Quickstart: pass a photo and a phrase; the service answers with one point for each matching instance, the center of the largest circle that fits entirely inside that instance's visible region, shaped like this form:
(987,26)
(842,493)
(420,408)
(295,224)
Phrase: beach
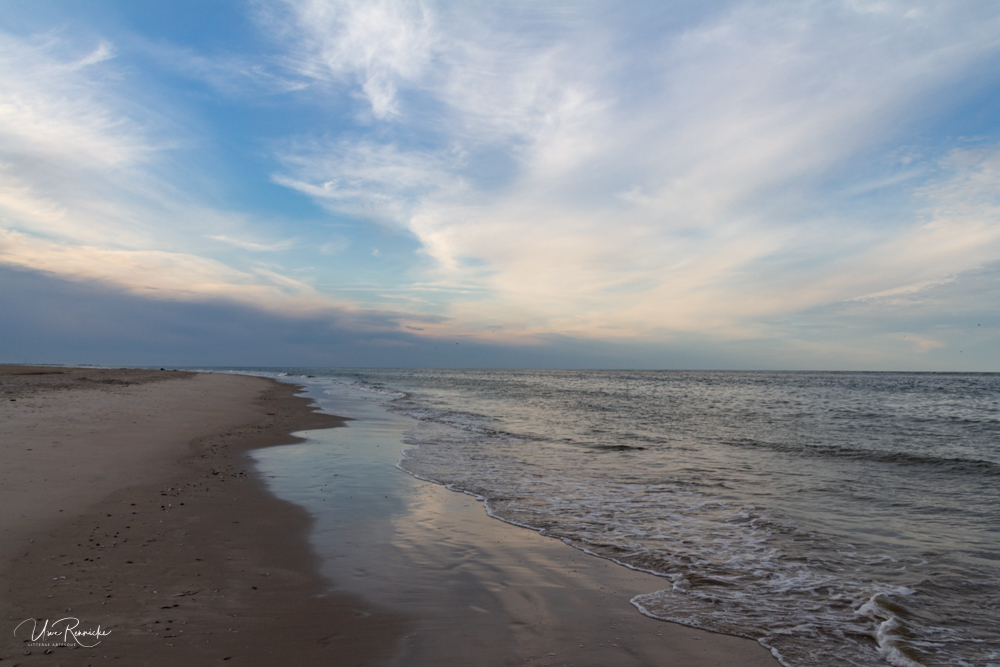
(132,504)
(821,514)
(135,508)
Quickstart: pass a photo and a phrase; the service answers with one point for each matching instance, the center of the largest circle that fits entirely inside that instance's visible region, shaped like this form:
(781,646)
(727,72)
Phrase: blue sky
(791,185)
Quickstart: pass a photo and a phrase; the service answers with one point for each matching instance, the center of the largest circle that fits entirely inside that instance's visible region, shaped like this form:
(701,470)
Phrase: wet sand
(180,550)
(479,591)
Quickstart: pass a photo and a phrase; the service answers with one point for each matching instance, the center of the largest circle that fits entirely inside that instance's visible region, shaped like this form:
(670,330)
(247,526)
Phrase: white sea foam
(661,528)
(623,477)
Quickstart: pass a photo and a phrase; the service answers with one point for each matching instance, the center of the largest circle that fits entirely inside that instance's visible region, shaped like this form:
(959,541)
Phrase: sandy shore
(178,549)
(130,504)
(477,591)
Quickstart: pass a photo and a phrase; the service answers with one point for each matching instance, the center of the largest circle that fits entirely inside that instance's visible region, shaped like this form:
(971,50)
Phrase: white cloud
(377,42)
(51,110)
(243,76)
(256,245)
(88,191)
(104,51)
(159,274)
(368,179)
(650,188)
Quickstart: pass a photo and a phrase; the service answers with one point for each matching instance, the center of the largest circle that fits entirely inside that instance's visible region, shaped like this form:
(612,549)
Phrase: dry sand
(130,502)
(165,537)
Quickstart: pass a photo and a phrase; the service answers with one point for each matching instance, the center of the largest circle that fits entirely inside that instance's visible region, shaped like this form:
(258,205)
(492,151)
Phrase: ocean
(836,518)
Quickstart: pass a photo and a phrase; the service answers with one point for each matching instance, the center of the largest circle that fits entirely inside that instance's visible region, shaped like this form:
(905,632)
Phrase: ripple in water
(823,514)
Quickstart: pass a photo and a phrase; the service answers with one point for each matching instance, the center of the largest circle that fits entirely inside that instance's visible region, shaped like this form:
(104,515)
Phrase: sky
(808,185)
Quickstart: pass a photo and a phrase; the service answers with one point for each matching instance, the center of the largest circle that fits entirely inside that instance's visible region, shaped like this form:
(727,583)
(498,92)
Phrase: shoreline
(182,550)
(182,553)
(478,590)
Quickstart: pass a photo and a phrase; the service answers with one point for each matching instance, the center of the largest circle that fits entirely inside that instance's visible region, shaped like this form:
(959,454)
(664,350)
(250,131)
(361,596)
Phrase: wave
(736,554)
(955,465)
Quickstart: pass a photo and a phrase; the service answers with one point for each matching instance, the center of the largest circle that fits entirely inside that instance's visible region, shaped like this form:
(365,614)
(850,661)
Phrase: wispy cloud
(525,172)
(104,51)
(160,274)
(377,180)
(52,112)
(178,277)
(677,187)
(255,246)
(377,43)
(238,75)
(86,191)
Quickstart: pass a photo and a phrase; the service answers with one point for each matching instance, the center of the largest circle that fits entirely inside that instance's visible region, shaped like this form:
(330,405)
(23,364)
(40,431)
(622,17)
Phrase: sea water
(837,518)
